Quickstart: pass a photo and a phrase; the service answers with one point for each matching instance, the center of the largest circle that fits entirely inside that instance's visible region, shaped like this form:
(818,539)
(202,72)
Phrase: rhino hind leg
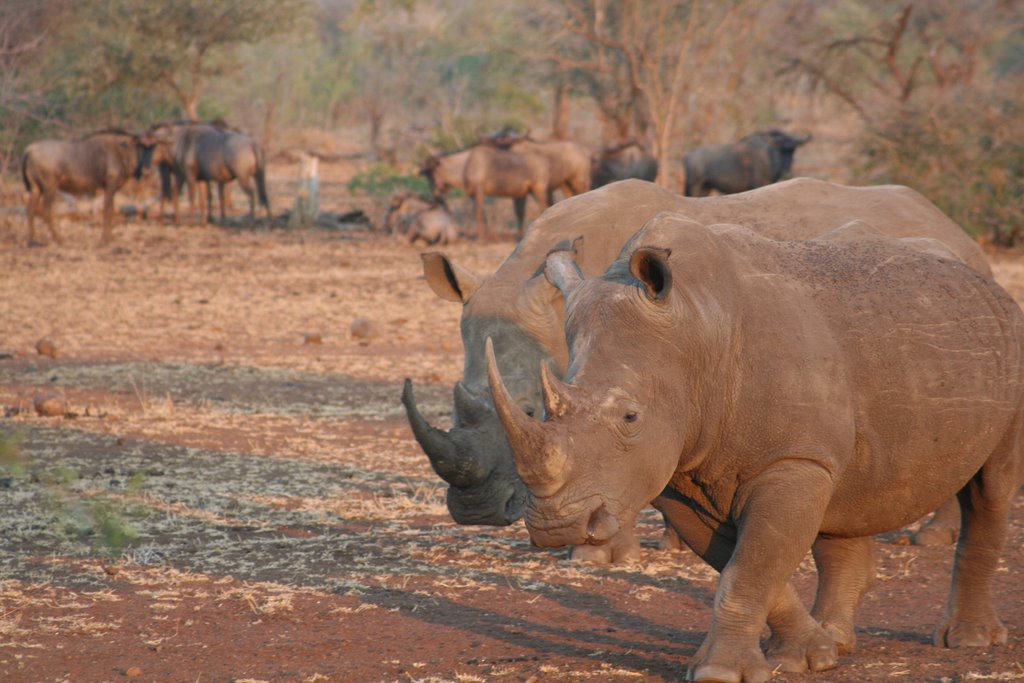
(943,528)
(985,502)
(846,570)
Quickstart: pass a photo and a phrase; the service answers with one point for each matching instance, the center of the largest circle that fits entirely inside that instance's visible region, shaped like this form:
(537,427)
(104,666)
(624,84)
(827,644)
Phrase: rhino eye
(528,410)
(631,416)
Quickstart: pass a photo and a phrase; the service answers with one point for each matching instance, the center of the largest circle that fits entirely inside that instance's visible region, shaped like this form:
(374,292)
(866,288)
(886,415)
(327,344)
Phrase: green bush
(382,180)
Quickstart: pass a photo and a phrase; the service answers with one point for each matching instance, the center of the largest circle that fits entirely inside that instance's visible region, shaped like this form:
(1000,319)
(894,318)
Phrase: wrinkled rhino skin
(522,312)
(769,395)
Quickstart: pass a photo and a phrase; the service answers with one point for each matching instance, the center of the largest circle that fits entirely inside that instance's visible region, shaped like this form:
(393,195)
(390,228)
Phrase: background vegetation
(926,93)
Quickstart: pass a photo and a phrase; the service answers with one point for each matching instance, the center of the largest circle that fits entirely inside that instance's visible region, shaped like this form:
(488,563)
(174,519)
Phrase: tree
(642,61)
(177,45)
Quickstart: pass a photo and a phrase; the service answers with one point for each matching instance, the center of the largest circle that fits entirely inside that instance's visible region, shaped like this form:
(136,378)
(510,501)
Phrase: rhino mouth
(484,506)
(587,521)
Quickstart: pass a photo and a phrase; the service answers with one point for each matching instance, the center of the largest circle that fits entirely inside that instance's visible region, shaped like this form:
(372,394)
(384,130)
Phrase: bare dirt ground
(223,501)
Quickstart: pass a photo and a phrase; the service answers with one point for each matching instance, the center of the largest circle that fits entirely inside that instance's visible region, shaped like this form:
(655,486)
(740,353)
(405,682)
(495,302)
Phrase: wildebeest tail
(24,171)
(261,179)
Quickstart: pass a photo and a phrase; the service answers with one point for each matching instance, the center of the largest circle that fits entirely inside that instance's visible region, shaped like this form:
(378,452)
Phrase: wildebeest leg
(31,208)
(481,219)
(797,642)
(846,569)
(985,503)
(220,198)
(47,205)
(542,204)
(943,527)
(519,203)
(250,192)
(108,216)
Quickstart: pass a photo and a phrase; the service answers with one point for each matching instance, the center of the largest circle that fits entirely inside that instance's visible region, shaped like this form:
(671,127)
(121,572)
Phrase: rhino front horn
(436,443)
(539,465)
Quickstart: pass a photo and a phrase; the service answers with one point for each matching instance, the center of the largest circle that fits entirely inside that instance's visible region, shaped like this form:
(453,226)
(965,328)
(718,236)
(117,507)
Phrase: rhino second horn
(539,466)
(436,443)
(556,396)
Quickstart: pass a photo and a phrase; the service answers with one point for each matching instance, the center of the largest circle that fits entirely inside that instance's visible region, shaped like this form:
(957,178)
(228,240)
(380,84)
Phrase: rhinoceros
(768,395)
(522,313)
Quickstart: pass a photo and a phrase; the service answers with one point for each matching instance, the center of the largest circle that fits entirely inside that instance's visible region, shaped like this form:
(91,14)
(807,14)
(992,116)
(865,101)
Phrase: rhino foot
(936,535)
(670,540)
(623,548)
(815,650)
(729,662)
(954,633)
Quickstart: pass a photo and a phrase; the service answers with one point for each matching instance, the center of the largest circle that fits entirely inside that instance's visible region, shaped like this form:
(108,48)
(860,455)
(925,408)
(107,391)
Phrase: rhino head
(643,355)
(474,456)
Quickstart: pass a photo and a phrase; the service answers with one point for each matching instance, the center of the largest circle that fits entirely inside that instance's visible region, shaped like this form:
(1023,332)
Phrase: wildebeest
(628,160)
(759,159)
(491,171)
(104,160)
(205,153)
(421,219)
(522,313)
(569,162)
(775,397)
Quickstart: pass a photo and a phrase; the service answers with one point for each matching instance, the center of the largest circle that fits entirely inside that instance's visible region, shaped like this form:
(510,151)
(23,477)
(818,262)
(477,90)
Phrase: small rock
(313,339)
(50,403)
(219,347)
(133,672)
(363,328)
(46,347)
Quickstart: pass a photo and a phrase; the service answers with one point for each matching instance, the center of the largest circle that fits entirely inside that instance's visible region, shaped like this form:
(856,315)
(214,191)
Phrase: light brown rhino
(768,395)
(522,312)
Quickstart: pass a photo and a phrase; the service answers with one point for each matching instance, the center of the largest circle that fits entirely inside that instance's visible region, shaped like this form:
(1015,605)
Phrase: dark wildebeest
(173,139)
(628,160)
(204,153)
(759,159)
(104,160)
(569,162)
(419,218)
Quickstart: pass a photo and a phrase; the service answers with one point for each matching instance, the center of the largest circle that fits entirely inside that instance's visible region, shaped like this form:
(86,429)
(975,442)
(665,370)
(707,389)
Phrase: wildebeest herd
(789,367)
(192,153)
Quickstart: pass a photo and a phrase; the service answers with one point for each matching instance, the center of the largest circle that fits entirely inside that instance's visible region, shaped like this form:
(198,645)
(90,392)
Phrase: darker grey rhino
(767,395)
(523,314)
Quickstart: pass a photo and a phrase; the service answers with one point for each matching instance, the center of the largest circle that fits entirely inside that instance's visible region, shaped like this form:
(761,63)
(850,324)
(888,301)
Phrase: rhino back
(922,353)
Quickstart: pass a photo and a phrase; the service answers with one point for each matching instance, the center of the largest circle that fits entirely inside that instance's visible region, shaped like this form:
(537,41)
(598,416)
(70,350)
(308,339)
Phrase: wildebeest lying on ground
(104,160)
(522,313)
(628,160)
(205,153)
(759,159)
(421,219)
(775,397)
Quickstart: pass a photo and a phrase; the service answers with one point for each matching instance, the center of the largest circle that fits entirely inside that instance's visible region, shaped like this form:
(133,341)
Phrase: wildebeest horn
(539,467)
(437,444)
(556,395)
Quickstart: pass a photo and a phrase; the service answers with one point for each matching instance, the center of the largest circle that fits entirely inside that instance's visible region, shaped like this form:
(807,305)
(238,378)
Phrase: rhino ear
(649,265)
(560,269)
(449,281)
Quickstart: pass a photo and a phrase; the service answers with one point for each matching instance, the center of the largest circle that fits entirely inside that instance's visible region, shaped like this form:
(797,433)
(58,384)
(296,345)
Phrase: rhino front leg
(798,642)
(778,515)
(846,569)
